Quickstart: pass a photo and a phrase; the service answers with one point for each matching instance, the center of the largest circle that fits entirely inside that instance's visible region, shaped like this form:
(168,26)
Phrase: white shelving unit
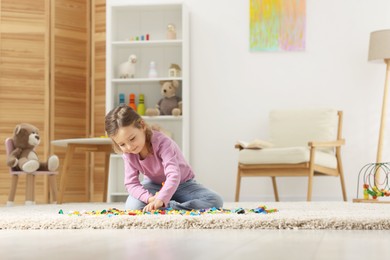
(126,20)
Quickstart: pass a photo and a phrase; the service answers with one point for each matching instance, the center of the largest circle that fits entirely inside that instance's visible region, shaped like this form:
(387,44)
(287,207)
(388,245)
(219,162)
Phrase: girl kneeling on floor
(160,160)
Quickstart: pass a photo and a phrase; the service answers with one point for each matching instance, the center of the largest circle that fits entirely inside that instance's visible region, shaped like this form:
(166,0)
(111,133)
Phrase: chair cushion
(290,128)
(286,155)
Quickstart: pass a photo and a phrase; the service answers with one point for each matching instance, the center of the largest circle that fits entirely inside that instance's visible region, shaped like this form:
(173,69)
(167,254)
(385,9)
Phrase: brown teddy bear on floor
(23,157)
(170,104)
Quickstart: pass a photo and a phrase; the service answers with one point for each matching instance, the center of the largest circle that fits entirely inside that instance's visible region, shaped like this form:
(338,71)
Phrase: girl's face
(131,139)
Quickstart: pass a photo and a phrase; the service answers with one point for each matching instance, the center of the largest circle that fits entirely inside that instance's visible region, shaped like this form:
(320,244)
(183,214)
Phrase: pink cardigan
(167,164)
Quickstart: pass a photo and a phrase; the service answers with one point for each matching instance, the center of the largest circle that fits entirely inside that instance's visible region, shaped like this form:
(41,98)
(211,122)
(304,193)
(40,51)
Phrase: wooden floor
(194,244)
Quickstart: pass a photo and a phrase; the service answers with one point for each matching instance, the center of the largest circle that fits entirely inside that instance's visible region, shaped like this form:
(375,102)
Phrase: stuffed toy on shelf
(170,104)
(127,69)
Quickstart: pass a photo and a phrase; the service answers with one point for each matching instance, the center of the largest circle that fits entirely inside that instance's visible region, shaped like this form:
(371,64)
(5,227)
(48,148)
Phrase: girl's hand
(155,204)
(151,199)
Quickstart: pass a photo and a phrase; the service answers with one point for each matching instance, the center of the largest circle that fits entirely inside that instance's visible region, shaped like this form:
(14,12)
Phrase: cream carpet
(290,215)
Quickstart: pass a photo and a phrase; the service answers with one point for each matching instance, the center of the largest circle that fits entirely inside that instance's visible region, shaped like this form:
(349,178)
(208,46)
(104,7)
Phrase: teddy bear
(170,104)
(26,137)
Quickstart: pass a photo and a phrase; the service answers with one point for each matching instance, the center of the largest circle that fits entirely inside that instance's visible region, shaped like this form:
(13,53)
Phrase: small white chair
(306,142)
(30,180)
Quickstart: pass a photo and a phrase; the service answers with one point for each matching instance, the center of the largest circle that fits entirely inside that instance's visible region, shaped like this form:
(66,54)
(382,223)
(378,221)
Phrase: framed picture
(277,25)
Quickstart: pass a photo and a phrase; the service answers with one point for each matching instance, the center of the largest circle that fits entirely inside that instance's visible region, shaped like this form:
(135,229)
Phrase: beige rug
(290,215)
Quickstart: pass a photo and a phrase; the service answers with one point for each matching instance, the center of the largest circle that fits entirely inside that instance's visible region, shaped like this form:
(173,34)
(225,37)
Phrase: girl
(160,160)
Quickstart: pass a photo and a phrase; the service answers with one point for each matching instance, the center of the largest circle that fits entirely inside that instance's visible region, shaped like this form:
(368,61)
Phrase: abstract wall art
(277,25)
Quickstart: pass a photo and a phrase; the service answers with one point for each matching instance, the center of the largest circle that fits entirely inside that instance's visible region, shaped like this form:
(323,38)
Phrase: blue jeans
(189,195)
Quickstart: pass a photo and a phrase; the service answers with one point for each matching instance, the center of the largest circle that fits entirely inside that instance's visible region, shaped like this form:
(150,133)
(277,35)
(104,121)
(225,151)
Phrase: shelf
(138,6)
(128,19)
(116,156)
(119,194)
(147,43)
(163,118)
(137,80)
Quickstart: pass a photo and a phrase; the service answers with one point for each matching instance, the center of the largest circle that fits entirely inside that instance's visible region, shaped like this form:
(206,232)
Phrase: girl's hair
(123,116)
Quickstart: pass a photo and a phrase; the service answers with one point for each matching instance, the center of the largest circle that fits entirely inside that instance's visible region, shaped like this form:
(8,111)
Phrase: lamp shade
(379,49)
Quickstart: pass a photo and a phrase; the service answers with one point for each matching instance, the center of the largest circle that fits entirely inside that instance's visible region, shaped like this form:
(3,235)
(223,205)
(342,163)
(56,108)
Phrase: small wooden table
(84,145)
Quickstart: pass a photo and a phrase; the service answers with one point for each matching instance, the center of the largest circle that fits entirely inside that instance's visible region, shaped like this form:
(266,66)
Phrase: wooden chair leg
(311,174)
(53,188)
(341,173)
(29,189)
(310,186)
(238,185)
(65,168)
(12,192)
(106,173)
(33,188)
(343,186)
(275,188)
(88,179)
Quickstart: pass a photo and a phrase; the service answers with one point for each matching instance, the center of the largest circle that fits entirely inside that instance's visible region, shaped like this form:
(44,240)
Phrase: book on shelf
(254,144)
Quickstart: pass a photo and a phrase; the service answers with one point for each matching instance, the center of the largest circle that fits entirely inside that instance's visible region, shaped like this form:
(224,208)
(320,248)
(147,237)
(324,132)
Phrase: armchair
(306,143)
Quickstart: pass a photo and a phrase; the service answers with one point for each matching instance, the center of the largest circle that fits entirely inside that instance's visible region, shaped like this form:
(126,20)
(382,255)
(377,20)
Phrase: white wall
(233,89)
